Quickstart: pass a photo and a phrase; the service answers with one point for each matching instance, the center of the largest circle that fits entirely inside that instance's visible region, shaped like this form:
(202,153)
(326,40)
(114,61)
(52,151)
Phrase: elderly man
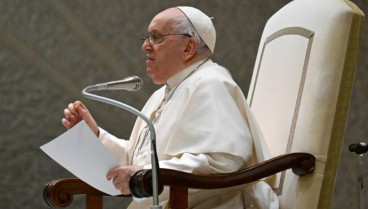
(202,121)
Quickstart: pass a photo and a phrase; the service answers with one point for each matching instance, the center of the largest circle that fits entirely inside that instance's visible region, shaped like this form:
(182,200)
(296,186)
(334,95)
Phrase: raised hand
(77,111)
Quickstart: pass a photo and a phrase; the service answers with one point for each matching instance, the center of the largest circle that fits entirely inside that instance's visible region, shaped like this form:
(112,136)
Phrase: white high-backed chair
(300,91)
(299,94)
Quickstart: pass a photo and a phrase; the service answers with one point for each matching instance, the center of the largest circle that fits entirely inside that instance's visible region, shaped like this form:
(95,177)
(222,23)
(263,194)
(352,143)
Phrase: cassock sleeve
(117,147)
(203,163)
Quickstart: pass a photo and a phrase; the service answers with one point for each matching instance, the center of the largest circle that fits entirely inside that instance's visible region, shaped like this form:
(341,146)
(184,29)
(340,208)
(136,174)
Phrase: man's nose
(146,45)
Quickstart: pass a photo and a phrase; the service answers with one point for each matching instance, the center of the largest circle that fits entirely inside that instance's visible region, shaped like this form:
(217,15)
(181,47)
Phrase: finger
(84,113)
(111,174)
(117,185)
(125,191)
(124,188)
(71,116)
(66,123)
(72,108)
(82,110)
(67,114)
(118,180)
(79,105)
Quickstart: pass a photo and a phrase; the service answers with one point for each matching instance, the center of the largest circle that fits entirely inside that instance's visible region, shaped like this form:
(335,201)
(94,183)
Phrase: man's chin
(149,72)
(151,75)
(157,81)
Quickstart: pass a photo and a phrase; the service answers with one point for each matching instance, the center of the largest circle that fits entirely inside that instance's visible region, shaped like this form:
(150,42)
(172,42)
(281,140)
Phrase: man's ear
(190,49)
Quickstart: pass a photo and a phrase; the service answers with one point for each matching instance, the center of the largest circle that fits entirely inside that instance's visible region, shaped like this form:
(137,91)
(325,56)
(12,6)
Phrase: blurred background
(51,50)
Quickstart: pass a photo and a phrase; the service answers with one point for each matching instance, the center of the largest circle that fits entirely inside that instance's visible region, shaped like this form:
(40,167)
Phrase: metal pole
(361,182)
(154,161)
(360,149)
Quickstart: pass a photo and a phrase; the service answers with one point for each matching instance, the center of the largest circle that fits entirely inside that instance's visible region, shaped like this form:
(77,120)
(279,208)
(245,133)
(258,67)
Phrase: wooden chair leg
(94,201)
(178,197)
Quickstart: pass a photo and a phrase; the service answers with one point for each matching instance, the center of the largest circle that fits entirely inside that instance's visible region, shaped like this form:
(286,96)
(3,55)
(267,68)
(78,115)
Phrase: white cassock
(203,125)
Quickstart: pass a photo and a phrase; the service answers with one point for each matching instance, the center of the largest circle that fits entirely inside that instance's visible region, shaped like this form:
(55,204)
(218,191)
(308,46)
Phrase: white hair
(183,25)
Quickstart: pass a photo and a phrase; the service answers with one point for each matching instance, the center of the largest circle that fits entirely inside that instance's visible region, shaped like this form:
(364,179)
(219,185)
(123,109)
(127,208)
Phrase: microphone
(360,148)
(131,83)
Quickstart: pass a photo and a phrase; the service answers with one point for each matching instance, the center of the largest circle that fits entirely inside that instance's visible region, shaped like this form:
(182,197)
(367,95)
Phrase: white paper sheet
(79,151)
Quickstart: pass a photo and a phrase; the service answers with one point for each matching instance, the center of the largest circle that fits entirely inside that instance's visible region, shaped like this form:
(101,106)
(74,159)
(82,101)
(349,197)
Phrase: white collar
(176,79)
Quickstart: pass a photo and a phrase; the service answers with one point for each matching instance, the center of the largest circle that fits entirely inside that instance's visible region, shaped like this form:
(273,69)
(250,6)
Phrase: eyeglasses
(158,38)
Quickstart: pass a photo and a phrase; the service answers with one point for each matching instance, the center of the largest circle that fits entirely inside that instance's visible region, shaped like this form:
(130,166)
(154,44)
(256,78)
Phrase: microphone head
(138,83)
(131,83)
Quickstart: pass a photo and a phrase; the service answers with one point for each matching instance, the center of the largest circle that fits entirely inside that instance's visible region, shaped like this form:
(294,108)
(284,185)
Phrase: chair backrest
(300,91)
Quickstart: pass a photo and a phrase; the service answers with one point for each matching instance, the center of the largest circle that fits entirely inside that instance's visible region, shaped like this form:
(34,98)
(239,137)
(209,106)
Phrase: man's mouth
(149,58)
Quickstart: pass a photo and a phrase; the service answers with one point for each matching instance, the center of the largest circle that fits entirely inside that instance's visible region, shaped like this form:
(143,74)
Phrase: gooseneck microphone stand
(360,149)
(154,160)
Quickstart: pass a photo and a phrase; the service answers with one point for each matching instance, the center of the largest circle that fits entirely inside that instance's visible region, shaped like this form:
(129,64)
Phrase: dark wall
(50,50)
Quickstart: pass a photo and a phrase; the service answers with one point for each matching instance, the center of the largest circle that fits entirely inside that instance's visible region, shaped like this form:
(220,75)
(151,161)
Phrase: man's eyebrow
(154,31)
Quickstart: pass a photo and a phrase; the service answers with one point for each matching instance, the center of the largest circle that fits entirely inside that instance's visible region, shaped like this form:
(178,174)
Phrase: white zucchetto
(202,24)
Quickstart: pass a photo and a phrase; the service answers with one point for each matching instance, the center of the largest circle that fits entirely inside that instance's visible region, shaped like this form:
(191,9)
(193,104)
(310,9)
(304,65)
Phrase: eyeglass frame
(152,38)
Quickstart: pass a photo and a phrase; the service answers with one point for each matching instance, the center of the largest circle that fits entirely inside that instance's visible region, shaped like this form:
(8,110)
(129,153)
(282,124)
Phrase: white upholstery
(301,88)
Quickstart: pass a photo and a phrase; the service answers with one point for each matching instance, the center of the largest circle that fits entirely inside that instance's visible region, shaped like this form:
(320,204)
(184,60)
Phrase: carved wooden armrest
(59,193)
(179,182)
